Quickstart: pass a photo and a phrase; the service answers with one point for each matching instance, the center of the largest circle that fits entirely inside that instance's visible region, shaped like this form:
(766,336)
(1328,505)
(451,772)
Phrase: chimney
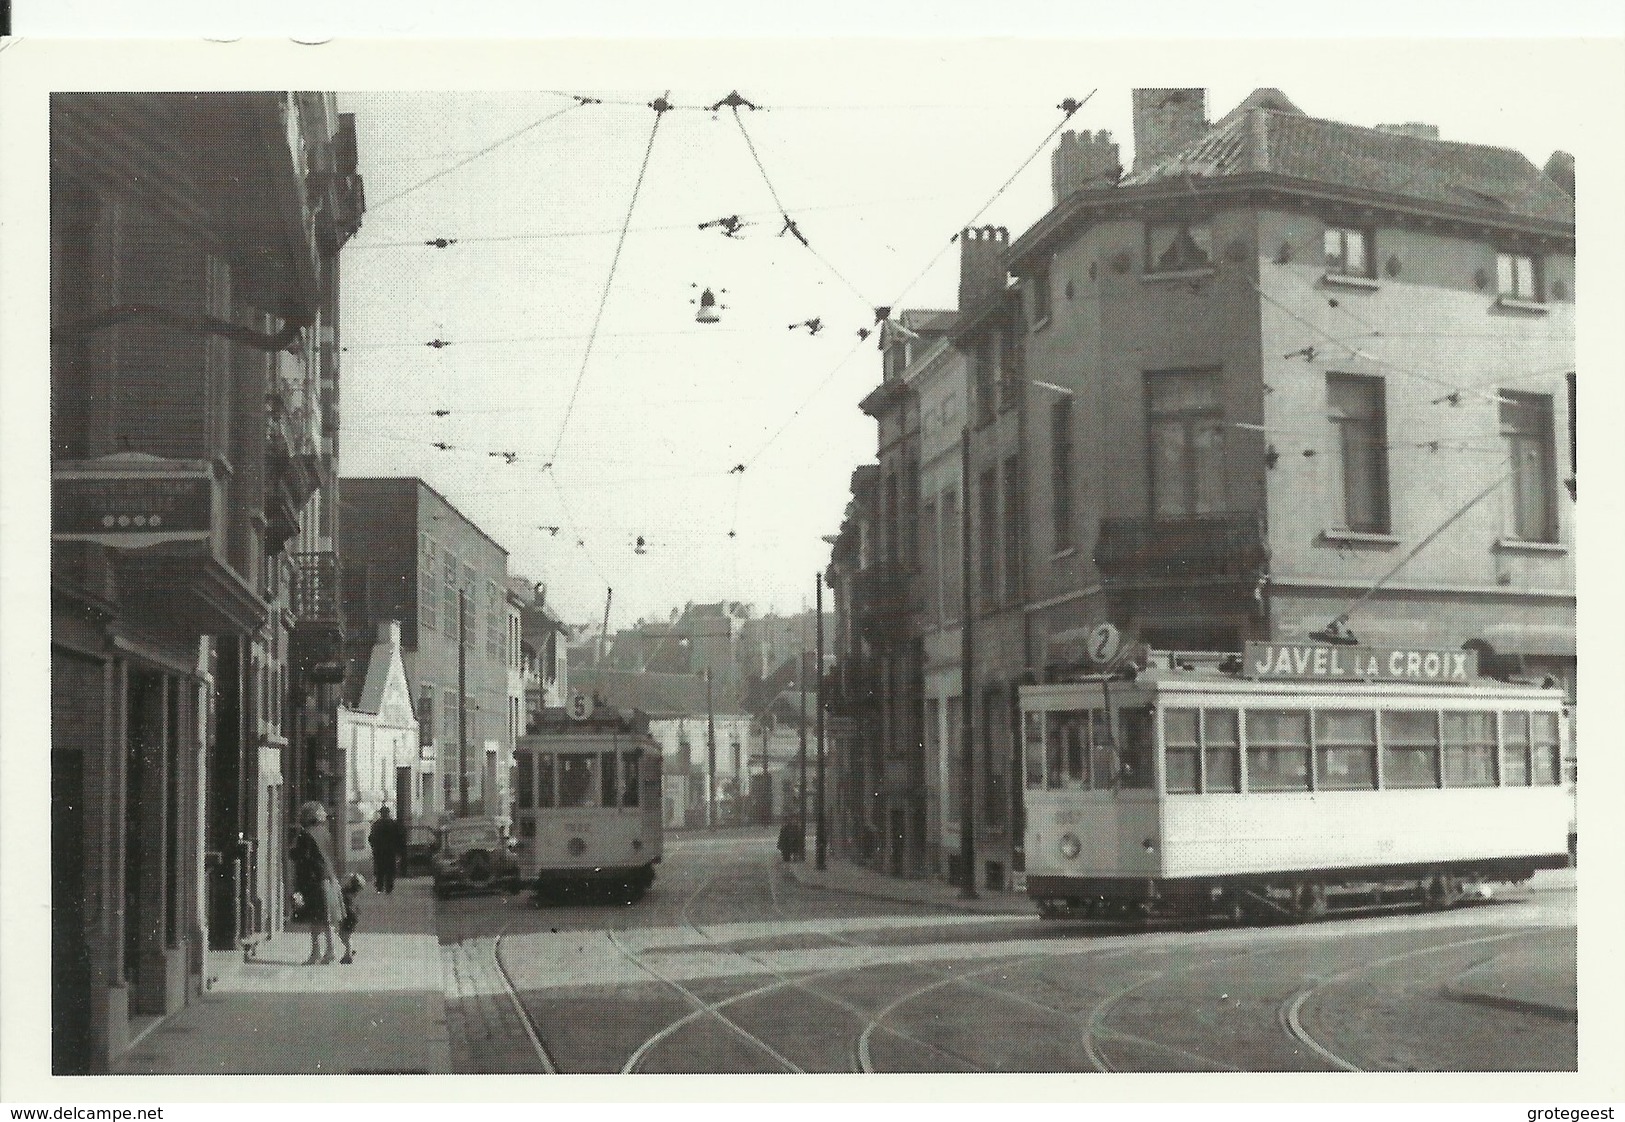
(1412,128)
(389,633)
(981,263)
(1083,160)
(1166,121)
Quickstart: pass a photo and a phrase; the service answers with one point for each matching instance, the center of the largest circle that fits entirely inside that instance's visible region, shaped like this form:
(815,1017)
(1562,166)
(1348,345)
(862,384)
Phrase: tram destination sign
(1318,661)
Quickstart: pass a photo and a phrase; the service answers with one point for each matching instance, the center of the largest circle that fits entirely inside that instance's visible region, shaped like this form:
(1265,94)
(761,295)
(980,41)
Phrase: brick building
(194,382)
(409,555)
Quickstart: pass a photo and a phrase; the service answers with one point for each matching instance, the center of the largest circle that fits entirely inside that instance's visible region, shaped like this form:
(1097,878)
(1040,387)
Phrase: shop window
(1345,750)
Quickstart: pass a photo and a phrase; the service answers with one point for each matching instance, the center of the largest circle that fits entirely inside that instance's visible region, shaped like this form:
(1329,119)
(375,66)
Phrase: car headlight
(1070,846)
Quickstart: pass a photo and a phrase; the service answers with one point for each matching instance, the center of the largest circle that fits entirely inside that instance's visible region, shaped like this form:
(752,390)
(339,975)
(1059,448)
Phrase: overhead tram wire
(661,107)
(373,208)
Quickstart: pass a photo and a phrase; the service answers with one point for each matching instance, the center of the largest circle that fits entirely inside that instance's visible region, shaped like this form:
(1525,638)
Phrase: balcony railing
(315,593)
(1210,546)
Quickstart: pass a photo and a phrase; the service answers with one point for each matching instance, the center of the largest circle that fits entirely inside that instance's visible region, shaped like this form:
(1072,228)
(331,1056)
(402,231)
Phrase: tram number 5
(580,707)
(1104,644)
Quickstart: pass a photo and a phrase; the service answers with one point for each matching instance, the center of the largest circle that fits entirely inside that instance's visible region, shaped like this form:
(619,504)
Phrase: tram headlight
(1070,846)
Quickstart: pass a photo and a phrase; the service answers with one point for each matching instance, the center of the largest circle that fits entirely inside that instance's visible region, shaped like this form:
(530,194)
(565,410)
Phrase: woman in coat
(316,881)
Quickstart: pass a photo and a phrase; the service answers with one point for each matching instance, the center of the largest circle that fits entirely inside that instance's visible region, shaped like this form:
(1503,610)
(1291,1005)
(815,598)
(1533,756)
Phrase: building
(195,242)
(1283,378)
(543,651)
(384,764)
(409,555)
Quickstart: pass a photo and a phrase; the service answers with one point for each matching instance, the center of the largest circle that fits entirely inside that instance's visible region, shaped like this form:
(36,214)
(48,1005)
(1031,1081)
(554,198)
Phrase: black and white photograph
(1001,557)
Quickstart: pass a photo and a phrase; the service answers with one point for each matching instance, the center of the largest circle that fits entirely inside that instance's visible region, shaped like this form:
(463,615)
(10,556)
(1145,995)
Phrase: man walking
(386,842)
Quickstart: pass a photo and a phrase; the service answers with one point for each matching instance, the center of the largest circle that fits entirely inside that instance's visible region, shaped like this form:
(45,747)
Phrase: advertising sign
(1317,661)
(131,501)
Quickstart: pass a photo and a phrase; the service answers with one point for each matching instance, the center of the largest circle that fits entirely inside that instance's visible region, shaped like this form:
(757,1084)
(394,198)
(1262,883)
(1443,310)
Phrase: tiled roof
(1338,154)
(656,695)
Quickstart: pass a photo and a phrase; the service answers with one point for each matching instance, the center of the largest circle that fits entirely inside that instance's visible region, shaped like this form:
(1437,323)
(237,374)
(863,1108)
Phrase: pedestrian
(790,847)
(353,885)
(318,901)
(387,843)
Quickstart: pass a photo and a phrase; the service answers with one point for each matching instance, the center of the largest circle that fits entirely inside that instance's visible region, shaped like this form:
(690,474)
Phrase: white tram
(1293,781)
(587,803)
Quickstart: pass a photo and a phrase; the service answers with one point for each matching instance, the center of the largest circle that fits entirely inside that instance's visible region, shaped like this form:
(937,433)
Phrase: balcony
(1207,548)
(883,602)
(318,635)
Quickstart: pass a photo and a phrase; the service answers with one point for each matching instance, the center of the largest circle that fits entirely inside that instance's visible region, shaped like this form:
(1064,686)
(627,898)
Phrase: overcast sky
(878,169)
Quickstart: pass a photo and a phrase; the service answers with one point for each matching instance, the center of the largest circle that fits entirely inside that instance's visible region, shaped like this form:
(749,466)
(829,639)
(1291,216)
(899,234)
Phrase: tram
(1292,781)
(587,802)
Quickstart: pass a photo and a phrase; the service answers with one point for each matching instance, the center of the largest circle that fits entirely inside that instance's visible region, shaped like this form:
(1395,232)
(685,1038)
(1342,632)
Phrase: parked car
(474,853)
(421,841)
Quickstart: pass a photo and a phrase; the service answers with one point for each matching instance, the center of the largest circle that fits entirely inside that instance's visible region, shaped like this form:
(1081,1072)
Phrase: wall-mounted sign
(131,500)
(1384,664)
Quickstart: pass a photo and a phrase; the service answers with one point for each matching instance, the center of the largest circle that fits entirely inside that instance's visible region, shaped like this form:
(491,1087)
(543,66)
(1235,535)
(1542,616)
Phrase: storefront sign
(132,501)
(1386,664)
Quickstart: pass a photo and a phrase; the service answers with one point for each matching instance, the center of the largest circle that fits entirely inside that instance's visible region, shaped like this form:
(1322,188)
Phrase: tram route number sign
(580,708)
(1315,661)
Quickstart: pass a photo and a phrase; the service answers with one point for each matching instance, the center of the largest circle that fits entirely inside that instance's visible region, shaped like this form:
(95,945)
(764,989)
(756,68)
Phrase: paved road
(729,966)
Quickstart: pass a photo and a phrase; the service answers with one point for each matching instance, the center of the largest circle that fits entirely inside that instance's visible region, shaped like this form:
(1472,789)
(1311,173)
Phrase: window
(995,793)
(1181,751)
(1033,741)
(609,781)
(448,717)
(896,360)
(1345,750)
(987,539)
(1186,429)
(576,787)
(546,795)
(1011,364)
(1277,750)
(1060,450)
(1410,749)
(428,596)
(1360,433)
(982,370)
(425,714)
(952,769)
(930,563)
(888,525)
(524,781)
(1221,750)
(951,570)
(1546,759)
(1348,253)
(1517,277)
(1469,749)
(1515,749)
(909,549)
(1012,530)
(631,763)
(449,596)
(932,738)
(1135,770)
(1066,750)
(1039,288)
(1179,247)
(1526,427)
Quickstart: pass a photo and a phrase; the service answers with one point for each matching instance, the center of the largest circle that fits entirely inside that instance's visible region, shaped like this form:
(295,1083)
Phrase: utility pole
(710,758)
(462,704)
(801,789)
(967,779)
(823,840)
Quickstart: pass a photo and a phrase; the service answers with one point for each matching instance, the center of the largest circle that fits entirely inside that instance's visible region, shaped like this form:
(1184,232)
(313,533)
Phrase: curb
(1513,1004)
(896,898)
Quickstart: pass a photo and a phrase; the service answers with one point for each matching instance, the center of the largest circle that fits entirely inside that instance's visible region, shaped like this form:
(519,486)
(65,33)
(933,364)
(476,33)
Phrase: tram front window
(1066,750)
(544,781)
(1134,769)
(1034,741)
(576,775)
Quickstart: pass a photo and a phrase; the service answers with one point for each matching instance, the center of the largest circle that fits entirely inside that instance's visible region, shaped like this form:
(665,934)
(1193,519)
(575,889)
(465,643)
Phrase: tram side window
(1134,755)
(576,778)
(1221,750)
(629,777)
(1277,750)
(1033,739)
(524,781)
(1515,749)
(1410,749)
(1181,746)
(1546,751)
(1346,750)
(610,788)
(544,782)
(1469,749)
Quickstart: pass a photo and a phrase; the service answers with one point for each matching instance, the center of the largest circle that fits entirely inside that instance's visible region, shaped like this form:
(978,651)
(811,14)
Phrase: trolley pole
(823,841)
(462,705)
(967,779)
(710,758)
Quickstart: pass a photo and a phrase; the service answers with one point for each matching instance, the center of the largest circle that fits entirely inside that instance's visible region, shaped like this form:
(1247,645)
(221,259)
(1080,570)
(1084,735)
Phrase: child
(352,915)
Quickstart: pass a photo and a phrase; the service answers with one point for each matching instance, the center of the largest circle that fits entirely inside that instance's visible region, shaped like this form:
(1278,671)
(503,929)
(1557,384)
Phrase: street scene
(1034,577)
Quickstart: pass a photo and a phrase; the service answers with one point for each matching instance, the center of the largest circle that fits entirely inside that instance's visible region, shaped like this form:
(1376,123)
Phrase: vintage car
(474,853)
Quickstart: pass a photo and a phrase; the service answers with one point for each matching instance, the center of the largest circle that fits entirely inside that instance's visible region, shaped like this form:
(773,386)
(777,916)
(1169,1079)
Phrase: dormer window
(1179,247)
(1348,252)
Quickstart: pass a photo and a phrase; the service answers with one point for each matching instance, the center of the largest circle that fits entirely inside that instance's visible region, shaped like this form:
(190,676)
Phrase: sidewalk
(272,1015)
(854,880)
